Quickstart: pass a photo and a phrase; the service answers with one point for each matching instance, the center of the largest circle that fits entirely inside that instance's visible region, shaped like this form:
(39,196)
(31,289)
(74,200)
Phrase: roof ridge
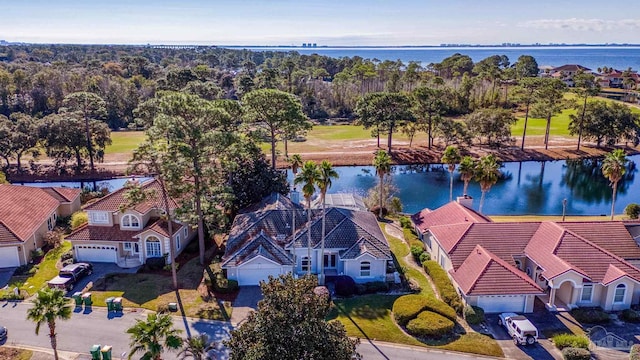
(122,189)
(469,226)
(509,267)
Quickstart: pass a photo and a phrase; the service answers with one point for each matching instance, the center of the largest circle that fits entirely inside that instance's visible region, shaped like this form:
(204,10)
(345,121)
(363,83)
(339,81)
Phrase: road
(85,329)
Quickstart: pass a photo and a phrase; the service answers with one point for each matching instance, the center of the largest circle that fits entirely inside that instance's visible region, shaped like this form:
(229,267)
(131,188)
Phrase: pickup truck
(521,330)
(69,275)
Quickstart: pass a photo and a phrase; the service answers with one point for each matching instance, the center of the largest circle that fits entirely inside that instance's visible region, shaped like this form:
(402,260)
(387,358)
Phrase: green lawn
(536,126)
(47,270)
(400,249)
(124,141)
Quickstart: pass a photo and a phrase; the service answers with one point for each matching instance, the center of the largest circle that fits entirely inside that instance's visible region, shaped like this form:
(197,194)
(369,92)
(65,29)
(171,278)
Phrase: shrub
(407,307)
(23,269)
(66,256)
(430,324)
(562,341)
(416,251)
(223,285)
(590,315)
(37,253)
(162,307)
(345,286)
(632,210)
(630,315)
(443,285)
(405,222)
(576,354)
(473,314)
(78,219)
(424,257)
(374,287)
(156,263)
(634,354)
(53,238)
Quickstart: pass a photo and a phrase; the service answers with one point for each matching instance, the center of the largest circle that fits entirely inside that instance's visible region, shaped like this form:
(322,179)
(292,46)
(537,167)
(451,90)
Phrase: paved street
(87,328)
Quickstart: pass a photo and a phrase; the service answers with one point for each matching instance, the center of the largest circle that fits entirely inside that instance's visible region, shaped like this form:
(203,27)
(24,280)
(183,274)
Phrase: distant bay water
(592,57)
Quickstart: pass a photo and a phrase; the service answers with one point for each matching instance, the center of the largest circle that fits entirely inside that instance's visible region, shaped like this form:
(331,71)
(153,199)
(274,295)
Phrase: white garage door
(502,303)
(9,256)
(96,253)
(248,277)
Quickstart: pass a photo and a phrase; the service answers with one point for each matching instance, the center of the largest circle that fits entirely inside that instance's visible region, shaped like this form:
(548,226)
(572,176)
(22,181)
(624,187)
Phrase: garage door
(9,256)
(248,277)
(502,303)
(96,253)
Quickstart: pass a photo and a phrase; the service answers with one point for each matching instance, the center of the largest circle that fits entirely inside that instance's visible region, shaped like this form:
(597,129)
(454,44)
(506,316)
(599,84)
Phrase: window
(428,241)
(153,247)
(50,223)
(127,246)
(99,217)
(305,263)
(621,290)
(442,261)
(365,269)
(130,221)
(518,264)
(330,260)
(587,292)
(185,232)
(178,242)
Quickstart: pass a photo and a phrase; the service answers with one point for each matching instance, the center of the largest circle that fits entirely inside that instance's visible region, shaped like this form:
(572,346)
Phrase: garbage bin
(117,304)
(95,352)
(109,302)
(106,352)
(77,297)
(86,299)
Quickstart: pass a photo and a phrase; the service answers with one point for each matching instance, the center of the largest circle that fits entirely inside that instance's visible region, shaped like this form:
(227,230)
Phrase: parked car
(3,333)
(521,330)
(69,275)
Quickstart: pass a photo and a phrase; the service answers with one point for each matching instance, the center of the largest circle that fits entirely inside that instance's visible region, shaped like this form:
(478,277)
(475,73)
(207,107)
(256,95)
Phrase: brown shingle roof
(114,233)
(483,273)
(451,213)
(612,236)
(23,209)
(6,235)
(113,201)
(63,194)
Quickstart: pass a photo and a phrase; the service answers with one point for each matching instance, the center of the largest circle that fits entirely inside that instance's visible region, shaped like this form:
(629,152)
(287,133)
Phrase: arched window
(153,247)
(305,263)
(621,291)
(365,269)
(130,221)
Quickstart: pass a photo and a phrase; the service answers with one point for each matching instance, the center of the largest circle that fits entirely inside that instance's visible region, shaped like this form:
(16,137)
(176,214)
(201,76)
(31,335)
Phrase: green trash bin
(86,299)
(106,352)
(109,302)
(117,304)
(77,297)
(95,352)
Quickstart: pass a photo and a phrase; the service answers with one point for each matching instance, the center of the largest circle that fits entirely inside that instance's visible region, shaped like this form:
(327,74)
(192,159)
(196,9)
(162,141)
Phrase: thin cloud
(576,24)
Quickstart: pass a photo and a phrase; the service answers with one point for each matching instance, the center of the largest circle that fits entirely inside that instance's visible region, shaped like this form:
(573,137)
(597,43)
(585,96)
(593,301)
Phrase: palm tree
(613,168)
(451,157)
(487,173)
(48,306)
(327,173)
(195,347)
(295,162)
(382,163)
(466,168)
(309,176)
(152,336)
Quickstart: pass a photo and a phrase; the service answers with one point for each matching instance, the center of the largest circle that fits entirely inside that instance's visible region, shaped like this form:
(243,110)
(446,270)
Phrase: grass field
(123,142)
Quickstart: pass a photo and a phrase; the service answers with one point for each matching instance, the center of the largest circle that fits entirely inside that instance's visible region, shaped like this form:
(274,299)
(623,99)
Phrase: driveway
(5,276)
(246,302)
(100,270)
(543,350)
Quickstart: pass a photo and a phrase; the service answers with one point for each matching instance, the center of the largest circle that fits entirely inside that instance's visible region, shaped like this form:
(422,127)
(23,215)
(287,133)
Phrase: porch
(128,262)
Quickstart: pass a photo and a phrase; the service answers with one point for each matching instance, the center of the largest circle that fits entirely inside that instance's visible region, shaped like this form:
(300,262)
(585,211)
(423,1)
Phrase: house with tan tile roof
(504,267)
(271,238)
(129,236)
(26,215)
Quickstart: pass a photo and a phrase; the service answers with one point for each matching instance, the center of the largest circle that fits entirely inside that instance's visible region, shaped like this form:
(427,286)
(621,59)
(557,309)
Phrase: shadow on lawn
(343,311)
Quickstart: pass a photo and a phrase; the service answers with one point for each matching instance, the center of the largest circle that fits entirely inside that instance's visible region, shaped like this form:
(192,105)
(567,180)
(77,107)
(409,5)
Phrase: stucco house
(503,267)
(128,237)
(270,238)
(26,215)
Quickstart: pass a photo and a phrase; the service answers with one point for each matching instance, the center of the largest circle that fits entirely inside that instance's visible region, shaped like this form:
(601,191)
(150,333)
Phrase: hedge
(634,354)
(630,315)
(590,315)
(576,354)
(441,280)
(417,251)
(562,341)
(473,314)
(430,324)
(407,307)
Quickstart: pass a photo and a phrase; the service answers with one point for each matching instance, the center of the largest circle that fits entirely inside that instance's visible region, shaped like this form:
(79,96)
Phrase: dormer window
(130,221)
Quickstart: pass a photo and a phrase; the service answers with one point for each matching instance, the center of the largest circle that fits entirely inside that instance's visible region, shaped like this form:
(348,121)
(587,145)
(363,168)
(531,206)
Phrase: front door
(136,248)
(330,261)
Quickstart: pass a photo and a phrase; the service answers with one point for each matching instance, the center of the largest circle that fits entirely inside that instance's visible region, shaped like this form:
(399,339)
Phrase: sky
(325,22)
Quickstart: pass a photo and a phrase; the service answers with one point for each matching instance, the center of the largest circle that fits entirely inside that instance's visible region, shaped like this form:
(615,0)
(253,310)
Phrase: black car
(69,275)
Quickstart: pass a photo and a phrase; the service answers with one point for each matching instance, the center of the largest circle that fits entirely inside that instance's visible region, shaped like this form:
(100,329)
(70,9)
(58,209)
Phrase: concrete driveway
(100,270)
(245,303)
(5,276)
(543,350)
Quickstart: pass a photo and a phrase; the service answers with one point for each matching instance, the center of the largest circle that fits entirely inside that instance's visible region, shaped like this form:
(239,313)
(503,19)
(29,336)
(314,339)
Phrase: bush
(36,254)
(372,287)
(407,307)
(441,280)
(632,210)
(162,307)
(576,354)
(562,341)
(66,256)
(473,314)
(430,324)
(405,222)
(416,251)
(590,315)
(634,354)
(223,285)
(23,269)
(78,219)
(630,315)
(52,238)
(345,286)
(156,263)
(424,257)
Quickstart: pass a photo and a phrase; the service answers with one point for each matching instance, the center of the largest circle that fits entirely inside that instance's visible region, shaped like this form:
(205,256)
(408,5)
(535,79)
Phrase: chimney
(466,201)
(294,195)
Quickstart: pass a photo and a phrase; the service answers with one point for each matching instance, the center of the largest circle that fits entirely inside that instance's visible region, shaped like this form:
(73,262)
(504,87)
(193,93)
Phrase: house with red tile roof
(26,215)
(504,267)
(129,236)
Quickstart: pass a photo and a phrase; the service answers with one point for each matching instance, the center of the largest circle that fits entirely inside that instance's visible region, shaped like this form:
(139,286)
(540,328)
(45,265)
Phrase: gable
(23,209)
